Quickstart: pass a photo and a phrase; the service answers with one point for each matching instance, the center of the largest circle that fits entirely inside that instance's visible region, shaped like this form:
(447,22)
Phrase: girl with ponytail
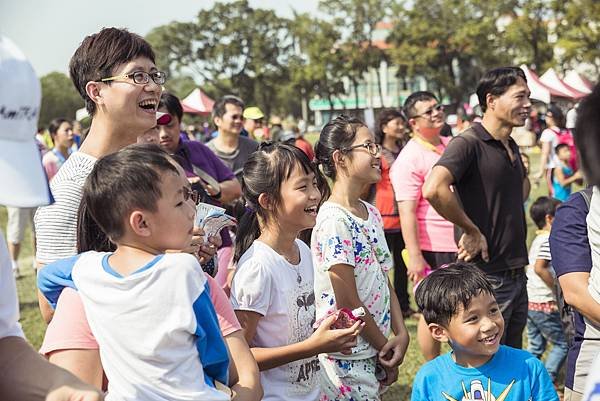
(272,290)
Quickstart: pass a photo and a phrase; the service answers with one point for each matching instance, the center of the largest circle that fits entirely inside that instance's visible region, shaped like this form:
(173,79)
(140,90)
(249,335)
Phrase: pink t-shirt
(69,328)
(408,174)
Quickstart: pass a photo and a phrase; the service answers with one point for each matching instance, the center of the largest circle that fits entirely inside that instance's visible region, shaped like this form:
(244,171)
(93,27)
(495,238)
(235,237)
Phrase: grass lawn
(34,327)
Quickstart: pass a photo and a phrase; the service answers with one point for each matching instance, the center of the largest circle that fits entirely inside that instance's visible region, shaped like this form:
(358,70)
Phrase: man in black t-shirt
(484,166)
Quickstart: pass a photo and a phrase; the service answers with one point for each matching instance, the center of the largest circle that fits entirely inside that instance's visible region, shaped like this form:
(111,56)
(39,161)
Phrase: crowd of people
(295,302)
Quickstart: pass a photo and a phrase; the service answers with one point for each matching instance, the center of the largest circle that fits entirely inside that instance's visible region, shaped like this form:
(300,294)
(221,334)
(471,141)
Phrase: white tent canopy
(576,81)
(550,78)
(538,90)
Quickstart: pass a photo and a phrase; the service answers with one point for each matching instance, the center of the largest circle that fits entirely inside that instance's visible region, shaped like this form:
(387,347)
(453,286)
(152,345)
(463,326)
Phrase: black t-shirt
(490,187)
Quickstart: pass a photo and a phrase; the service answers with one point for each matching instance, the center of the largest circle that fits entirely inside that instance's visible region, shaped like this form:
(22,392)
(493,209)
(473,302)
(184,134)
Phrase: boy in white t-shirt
(544,323)
(149,310)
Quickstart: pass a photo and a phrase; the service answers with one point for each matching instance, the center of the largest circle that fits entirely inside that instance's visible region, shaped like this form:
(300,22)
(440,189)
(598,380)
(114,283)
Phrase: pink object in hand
(345,317)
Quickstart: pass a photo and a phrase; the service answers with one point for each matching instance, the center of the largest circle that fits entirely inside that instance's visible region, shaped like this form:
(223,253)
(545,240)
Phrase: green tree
(451,43)
(59,98)
(232,46)
(578,32)
(526,34)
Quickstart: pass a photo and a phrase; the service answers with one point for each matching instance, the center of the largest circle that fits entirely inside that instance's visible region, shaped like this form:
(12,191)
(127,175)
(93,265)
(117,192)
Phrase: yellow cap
(253,113)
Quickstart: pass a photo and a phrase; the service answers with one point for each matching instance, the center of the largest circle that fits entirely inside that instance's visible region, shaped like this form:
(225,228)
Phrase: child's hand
(327,340)
(208,249)
(392,353)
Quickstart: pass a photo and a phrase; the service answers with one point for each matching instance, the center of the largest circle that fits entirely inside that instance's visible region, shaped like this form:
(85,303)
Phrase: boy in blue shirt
(459,307)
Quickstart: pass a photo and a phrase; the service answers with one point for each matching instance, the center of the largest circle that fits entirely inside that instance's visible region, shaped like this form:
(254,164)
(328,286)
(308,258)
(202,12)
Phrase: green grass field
(34,327)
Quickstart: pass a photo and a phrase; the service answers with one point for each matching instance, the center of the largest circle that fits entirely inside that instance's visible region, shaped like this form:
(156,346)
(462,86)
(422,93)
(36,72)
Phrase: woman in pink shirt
(61,133)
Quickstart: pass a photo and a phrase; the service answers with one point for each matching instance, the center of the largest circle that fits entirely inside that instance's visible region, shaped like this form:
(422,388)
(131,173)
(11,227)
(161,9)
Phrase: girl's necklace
(295,265)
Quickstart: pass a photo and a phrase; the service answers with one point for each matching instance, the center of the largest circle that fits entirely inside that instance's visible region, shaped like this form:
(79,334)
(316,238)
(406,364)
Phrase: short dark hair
(100,54)
(560,146)
(440,295)
(411,101)
(56,123)
(542,207)
(496,82)
(587,135)
(338,133)
(123,181)
(219,107)
(172,104)
(384,117)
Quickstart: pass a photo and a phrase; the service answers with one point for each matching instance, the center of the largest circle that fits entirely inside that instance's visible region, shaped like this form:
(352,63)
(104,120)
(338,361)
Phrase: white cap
(23,180)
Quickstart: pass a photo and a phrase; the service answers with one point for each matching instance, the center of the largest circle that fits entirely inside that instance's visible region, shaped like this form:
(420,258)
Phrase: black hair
(496,82)
(55,125)
(338,133)
(557,115)
(100,54)
(219,108)
(172,104)
(587,135)
(384,117)
(441,294)
(264,172)
(542,207)
(122,181)
(560,146)
(411,101)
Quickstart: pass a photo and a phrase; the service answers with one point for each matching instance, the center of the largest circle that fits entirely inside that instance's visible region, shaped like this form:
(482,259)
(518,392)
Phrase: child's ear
(438,332)
(264,201)
(338,158)
(138,223)
(549,219)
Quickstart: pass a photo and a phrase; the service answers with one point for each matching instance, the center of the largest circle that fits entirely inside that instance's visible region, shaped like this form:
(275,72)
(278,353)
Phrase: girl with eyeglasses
(272,290)
(351,263)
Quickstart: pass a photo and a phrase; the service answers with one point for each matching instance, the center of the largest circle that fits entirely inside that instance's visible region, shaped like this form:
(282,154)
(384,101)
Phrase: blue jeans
(543,328)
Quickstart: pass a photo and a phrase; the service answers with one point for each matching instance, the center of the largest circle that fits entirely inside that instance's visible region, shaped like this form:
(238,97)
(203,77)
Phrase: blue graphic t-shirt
(511,375)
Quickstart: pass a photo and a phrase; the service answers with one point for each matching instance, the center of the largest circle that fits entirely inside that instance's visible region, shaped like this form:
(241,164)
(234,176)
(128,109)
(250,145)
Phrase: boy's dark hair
(172,104)
(384,117)
(337,134)
(496,82)
(411,101)
(100,54)
(542,207)
(587,135)
(264,172)
(440,295)
(219,107)
(122,181)
(560,146)
(55,124)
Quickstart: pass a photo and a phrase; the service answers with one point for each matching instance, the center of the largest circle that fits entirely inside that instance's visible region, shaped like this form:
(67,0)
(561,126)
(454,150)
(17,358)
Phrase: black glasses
(429,112)
(373,148)
(189,193)
(140,77)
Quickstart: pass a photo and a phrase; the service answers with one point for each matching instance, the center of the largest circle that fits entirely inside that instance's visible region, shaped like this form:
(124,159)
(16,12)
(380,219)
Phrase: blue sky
(49,31)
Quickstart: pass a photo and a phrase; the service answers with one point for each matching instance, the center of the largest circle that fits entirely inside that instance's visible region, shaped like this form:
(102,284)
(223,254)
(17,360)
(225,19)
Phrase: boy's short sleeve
(457,157)
(250,290)
(334,241)
(419,387)
(542,388)
(569,244)
(544,251)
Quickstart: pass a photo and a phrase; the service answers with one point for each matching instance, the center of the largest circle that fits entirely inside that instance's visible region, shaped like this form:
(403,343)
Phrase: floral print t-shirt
(340,237)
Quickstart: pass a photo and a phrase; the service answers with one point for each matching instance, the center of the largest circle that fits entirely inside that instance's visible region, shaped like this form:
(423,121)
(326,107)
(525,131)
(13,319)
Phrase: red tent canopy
(574,80)
(197,103)
(539,90)
(551,79)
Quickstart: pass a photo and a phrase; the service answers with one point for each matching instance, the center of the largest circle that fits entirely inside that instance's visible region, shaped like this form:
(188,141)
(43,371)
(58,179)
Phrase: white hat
(23,180)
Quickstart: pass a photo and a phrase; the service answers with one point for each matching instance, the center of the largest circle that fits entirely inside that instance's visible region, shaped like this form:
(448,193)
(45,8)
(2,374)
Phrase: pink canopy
(197,103)
(574,80)
(551,79)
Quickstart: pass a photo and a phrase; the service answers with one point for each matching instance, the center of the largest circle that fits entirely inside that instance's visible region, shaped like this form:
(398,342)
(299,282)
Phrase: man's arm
(437,192)
(410,233)
(575,290)
(27,376)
